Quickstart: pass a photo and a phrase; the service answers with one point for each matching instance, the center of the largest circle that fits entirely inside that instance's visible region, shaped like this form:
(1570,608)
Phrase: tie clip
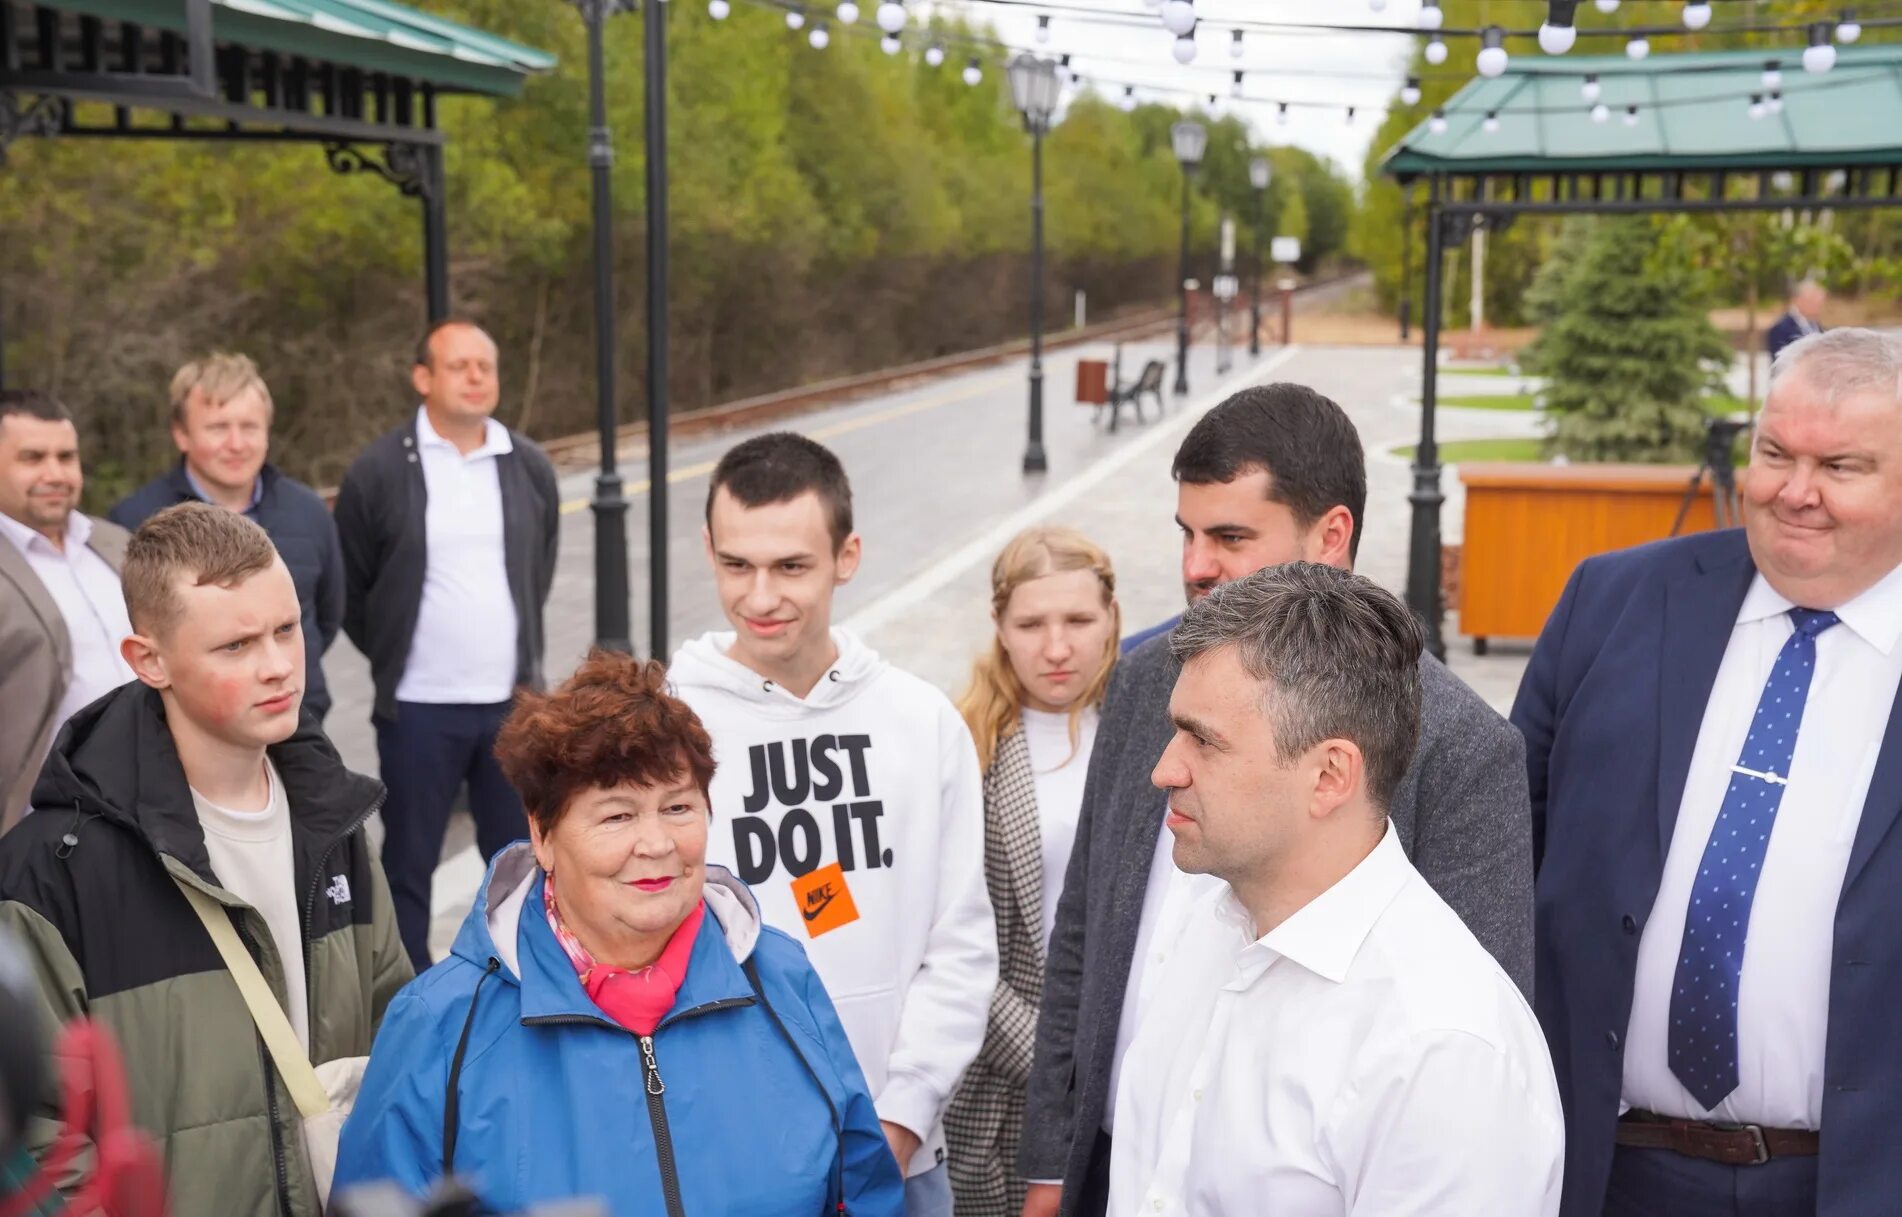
(1772,778)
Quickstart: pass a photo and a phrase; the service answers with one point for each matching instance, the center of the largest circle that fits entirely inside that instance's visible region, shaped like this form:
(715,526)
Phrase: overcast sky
(1359,70)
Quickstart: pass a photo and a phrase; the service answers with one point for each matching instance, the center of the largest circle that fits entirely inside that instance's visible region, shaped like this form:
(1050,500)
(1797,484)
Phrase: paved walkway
(937,491)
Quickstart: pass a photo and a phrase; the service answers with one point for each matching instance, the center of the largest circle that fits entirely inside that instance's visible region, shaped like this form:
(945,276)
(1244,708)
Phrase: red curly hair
(613,723)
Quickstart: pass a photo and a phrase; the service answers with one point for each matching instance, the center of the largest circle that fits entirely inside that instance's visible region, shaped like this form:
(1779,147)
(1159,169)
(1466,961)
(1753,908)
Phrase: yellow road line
(701,469)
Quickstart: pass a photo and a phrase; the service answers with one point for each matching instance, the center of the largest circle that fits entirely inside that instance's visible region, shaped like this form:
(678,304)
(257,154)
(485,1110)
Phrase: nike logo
(817,901)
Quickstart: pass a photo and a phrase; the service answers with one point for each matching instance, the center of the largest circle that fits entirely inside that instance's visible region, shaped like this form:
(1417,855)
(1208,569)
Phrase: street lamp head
(1034,90)
(1190,140)
(1260,173)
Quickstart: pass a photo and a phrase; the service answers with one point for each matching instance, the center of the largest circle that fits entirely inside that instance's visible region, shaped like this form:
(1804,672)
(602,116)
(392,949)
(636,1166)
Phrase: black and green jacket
(86,882)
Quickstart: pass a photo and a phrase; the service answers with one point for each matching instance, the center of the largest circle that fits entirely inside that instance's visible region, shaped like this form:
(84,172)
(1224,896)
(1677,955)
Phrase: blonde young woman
(1032,709)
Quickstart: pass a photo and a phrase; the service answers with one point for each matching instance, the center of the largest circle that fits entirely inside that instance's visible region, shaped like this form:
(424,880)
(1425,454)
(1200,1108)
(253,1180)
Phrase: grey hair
(1838,363)
(1339,658)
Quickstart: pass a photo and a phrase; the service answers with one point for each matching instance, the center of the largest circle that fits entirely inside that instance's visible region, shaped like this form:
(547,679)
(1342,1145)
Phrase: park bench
(1105,388)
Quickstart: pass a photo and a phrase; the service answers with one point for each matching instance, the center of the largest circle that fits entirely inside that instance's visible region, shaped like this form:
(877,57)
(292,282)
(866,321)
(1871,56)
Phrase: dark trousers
(1092,1197)
(427,753)
(1663,1183)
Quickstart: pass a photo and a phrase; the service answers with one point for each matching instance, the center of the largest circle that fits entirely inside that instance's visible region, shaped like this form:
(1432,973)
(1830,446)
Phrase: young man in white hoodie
(848,794)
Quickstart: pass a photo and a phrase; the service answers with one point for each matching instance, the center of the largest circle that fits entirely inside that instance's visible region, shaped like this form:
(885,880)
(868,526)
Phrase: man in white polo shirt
(1325,1036)
(449,526)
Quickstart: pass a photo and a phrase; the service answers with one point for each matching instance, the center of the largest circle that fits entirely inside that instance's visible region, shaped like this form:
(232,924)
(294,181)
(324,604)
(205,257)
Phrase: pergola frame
(371,109)
(1464,192)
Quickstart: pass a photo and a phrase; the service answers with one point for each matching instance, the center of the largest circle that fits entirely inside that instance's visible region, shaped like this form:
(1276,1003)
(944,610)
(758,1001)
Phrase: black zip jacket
(380,520)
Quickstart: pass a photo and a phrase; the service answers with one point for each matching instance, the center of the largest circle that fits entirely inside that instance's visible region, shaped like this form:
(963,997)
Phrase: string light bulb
(1129,98)
(1491,125)
(1178,17)
(820,38)
(1235,47)
(1820,54)
(1350,116)
(1437,124)
(1757,108)
(1774,103)
(1491,60)
(1696,14)
(1590,90)
(1631,116)
(973,73)
(1436,50)
(891,16)
(1281,114)
(890,44)
(1410,92)
(1184,49)
(1043,28)
(934,55)
(1607,7)
(1600,112)
(719,10)
(847,12)
(1773,74)
(1431,17)
(1637,48)
(1849,29)
(1235,88)
(1559,33)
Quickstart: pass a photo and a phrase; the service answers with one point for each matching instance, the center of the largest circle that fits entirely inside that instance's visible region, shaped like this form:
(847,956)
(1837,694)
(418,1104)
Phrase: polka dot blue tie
(1703,1039)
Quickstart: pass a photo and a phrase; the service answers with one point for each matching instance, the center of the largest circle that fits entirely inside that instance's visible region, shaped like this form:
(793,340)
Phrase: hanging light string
(1755,97)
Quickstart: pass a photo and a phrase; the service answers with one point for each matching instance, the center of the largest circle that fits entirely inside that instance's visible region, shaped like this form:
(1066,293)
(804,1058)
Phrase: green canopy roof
(1693,114)
(371,35)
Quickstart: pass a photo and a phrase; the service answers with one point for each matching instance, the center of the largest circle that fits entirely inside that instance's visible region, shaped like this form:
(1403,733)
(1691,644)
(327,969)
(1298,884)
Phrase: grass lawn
(1483,450)
(1489,401)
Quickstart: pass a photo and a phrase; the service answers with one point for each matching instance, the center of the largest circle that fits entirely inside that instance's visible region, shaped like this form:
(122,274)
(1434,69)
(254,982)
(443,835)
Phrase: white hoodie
(873,771)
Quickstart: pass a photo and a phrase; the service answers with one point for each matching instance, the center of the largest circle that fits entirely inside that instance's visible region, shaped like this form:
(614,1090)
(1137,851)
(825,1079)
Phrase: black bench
(1149,384)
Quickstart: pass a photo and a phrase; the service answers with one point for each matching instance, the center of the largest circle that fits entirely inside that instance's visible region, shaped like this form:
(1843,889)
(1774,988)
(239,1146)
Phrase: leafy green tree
(1629,352)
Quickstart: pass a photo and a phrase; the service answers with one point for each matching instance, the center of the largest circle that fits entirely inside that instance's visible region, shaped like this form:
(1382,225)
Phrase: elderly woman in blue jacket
(614,1020)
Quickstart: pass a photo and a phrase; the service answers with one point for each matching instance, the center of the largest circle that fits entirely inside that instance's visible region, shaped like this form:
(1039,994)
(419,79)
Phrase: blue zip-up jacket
(554,1100)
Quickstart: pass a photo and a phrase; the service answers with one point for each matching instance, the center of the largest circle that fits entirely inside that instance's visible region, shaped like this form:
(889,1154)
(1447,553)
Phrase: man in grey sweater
(1273,474)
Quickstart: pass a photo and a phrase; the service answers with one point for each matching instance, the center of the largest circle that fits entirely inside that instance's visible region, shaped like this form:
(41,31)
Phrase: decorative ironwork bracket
(408,167)
(42,116)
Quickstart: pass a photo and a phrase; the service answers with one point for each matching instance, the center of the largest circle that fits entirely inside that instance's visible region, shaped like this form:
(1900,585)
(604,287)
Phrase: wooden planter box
(1528,525)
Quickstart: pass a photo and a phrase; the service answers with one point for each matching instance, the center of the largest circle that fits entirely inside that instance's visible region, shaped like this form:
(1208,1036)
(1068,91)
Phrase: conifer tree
(1629,352)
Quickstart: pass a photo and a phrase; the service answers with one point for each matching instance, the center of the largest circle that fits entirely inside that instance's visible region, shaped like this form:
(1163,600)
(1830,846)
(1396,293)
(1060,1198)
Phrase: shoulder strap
(838,1128)
(292,1065)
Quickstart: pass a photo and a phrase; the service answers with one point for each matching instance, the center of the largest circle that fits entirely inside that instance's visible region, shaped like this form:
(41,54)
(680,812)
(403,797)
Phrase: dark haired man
(1274,474)
(1326,1036)
(61,614)
(449,526)
(849,792)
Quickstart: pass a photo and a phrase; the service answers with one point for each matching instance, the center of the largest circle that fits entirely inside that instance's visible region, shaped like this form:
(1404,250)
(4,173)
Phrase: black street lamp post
(611,629)
(1260,173)
(1034,88)
(1190,140)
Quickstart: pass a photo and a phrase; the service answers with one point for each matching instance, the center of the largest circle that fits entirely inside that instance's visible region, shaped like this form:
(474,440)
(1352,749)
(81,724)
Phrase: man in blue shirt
(221,422)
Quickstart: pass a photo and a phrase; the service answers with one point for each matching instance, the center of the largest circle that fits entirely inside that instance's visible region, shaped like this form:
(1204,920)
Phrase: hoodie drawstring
(452,1104)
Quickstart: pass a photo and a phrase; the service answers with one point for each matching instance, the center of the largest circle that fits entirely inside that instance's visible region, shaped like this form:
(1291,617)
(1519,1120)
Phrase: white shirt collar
(495,437)
(1326,933)
(1875,615)
(78,533)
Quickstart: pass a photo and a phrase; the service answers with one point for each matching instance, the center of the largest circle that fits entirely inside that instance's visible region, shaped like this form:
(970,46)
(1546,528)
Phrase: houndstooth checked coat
(985,1121)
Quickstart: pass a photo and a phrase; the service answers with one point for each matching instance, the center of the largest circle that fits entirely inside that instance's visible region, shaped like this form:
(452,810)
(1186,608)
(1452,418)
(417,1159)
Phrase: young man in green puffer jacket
(203,773)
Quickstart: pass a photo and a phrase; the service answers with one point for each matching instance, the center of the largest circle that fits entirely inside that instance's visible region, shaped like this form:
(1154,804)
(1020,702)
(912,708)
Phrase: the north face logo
(339,889)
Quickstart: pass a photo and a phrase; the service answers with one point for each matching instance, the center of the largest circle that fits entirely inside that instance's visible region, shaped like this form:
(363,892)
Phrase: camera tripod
(1720,435)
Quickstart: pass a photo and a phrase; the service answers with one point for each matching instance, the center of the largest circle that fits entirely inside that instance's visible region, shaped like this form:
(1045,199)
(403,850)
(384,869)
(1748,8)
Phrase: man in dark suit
(1716,770)
(1803,318)
(1273,474)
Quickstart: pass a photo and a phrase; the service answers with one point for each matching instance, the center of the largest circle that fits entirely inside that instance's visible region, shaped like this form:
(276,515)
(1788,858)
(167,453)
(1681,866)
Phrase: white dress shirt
(86,590)
(1366,1056)
(463,651)
(1058,769)
(1167,897)
(1783,996)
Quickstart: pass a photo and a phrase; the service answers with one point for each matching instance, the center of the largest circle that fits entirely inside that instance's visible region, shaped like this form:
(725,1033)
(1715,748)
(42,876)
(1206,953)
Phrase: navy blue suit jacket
(1786,330)
(1610,706)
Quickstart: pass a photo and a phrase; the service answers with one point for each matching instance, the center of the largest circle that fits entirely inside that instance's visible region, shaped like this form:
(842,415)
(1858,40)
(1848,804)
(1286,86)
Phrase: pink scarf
(635,1000)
